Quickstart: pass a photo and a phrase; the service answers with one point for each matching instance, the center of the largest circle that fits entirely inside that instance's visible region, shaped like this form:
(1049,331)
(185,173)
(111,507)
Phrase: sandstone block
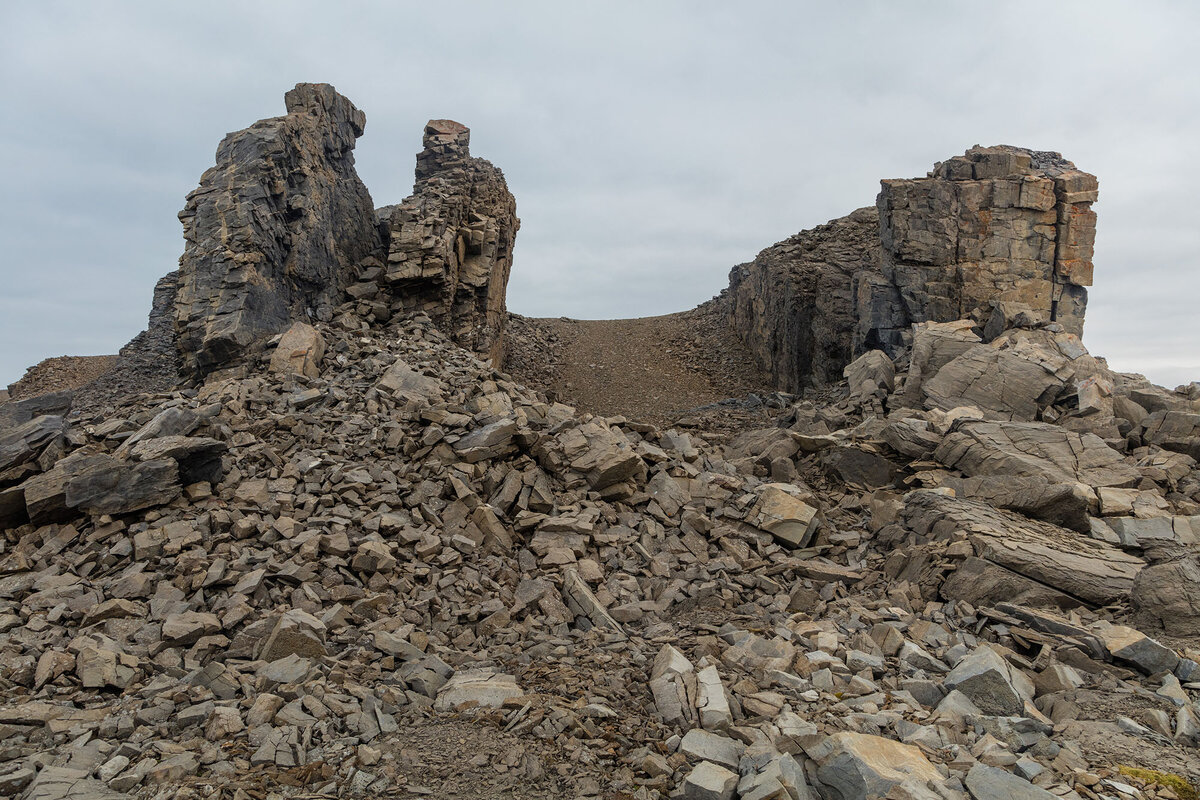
(299,351)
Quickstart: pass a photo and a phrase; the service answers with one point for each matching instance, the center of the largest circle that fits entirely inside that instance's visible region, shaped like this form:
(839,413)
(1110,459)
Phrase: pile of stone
(372,529)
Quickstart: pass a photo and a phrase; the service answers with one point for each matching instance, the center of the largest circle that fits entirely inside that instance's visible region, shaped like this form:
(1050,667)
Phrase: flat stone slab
(477,688)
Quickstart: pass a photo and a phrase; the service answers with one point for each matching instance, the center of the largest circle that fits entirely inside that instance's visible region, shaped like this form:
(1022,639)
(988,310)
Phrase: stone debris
(351,558)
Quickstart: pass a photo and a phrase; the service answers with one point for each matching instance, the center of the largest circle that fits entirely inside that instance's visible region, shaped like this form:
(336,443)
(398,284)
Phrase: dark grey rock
(275,229)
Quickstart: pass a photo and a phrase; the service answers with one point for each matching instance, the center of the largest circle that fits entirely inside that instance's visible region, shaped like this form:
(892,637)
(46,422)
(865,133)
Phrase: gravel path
(653,369)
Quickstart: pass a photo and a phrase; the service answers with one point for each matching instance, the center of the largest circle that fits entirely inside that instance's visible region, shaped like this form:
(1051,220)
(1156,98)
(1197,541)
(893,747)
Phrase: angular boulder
(299,351)
(1169,594)
(1034,450)
(1061,561)
(858,766)
(23,442)
(781,512)
(990,683)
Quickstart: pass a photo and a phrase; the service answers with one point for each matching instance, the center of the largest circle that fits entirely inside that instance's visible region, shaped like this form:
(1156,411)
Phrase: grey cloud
(650,146)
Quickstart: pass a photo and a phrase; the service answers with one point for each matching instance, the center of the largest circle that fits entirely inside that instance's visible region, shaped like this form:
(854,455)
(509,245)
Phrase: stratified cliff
(450,244)
(996,225)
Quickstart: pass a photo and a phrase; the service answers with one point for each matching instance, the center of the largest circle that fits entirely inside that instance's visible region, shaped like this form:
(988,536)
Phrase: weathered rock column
(996,224)
(450,244)
(274,230)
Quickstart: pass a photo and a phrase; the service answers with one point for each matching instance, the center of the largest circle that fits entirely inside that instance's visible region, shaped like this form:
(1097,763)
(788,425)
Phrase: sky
(651,146)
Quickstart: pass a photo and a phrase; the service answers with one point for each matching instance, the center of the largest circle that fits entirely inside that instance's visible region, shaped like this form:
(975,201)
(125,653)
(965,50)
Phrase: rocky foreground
(293,580)
(301,541)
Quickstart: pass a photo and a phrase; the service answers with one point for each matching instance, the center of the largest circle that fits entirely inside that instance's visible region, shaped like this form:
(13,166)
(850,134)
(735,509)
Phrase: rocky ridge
(356,560)
(998,228)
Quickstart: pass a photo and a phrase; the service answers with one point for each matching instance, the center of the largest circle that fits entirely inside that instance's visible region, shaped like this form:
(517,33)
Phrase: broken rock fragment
(477,688)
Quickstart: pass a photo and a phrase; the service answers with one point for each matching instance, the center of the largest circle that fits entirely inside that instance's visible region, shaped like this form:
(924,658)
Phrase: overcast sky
(651,146)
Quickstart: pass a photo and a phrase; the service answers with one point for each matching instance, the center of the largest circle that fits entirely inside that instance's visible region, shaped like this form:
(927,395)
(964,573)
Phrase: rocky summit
(873,523)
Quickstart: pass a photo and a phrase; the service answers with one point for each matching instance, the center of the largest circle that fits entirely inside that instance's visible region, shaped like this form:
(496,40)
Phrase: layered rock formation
(450,244)
(997,224)
(368,563)
(274,230)
(998,228)
(794,305)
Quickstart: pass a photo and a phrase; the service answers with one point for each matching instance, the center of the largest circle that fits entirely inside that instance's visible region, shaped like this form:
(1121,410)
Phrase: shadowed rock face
(274,230)
(998,225)
(450,244)
(793,306)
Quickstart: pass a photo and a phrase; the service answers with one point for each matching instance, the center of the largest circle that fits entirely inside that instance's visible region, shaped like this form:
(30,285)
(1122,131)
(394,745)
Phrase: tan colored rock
(1134,647)
(858,766)
(1034,450)
(780,512)
(477,688)
(299,351)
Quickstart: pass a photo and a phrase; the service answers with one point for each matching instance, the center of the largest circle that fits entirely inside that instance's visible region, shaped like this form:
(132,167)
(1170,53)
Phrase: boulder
(934,345)
(297,632)
(1061,561)
(403,382)
(709,781)
(477,688)
(780,511)
(992,783)
(870,372)
(702,745)
(1034,450)
(199,457)
(1173,430)
(858,766)
(170,421)
(1002,384)
(299,351)
(120,487)
(1020,374)
(1134,647)
(990,683)
(24,442)
(1064,504)
(711,701)
(1169,594)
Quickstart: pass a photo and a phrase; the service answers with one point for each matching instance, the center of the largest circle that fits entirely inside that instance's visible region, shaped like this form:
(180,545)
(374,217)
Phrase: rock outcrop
(1000,230)
(450,245)
(794,305)
(996,224)
(366,562)
(274,230)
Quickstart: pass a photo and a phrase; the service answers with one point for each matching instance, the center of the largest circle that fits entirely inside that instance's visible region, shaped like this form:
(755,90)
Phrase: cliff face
(274,229)
(450,244)
(794,305)
(996,225)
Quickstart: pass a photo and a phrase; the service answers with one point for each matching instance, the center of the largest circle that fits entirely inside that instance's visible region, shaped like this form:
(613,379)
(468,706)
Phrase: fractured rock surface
(356,559)
(274,229)
(450,245)
(997,228)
